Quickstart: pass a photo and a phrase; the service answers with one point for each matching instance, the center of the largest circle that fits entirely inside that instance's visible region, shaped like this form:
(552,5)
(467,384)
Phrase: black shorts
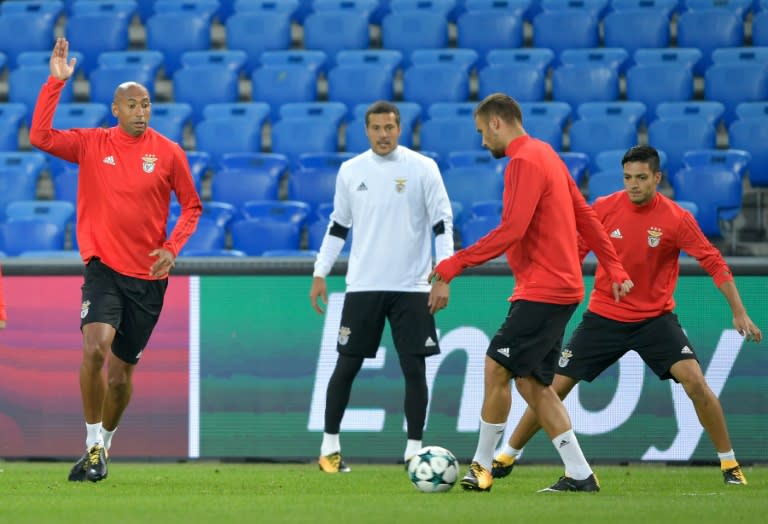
(598,342)
(529,340)
(362,323)
(130,305)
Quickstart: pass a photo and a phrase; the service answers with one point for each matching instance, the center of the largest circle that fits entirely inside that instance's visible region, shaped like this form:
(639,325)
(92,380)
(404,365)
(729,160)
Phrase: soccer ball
(433,469)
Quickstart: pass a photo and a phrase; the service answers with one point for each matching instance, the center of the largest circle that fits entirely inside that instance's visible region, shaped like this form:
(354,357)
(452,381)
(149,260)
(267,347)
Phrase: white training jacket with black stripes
(394,204)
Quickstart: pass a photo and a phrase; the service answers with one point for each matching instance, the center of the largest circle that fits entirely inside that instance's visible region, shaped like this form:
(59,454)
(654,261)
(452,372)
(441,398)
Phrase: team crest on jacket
(565,357)
(148,163)
(654,236)
(400,184)
(344,333)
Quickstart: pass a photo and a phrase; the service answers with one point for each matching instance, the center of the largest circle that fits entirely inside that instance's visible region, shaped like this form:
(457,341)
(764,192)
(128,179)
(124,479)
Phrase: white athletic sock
(411,448)
(107,437)
(576,465)
(93,435)
(727,460)
(511,452)
(487,442)
(330,444)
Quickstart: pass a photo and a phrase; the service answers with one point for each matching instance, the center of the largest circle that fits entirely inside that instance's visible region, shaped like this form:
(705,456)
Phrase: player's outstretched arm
(741,320)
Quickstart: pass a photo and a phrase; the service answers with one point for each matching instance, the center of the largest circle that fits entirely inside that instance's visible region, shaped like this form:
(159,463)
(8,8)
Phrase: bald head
(132,107)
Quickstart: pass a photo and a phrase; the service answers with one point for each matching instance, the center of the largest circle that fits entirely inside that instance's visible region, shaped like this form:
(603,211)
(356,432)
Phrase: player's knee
(95,351)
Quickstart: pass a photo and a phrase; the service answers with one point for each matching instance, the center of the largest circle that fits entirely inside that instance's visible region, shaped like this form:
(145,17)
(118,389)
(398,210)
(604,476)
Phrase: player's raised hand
(60,68)
(318,289)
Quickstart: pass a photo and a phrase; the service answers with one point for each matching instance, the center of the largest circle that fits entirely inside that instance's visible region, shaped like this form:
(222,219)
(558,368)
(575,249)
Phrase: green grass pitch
(212,492)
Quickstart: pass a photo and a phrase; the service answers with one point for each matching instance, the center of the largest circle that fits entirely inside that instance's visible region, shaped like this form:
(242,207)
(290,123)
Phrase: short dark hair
(382,107)
(645,154)
(501,105)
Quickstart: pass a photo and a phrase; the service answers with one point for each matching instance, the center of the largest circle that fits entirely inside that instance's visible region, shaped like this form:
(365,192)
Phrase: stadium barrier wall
(238,365)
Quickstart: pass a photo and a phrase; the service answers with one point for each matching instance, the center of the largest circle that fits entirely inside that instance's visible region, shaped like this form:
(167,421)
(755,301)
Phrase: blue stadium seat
(593,135)
(316,231)
(27,26)
(74,115)
(354,84)
(208,235)
(386,58)
(491,24)
(20,235)
(231,128)
(577,164)
(634,29)
(737,7)
(222,213)
(474,228)
(689,206)
(451,110)
(464,58)
(199,162)
(710,110)
(32,162)
(546,120)
(716,192)
(191,31)
(96,27)
(747,110)
(237,186)
(752,84)
(611,159)
(3,60)
(406,31)
(104,81)
(540,57)
(313,186)
(445,135)
(24,84)
(232,59)
(653,84)
(305,57)
(686,57)
(336,30)
(612,57)
(737,160)
(631,111)
(307,128)
(760,28)
(707,30)
(170,118)
(257,31)
(487,208)
(271,163)
(280,210)
(582,30)
(604,183)
(425,84)
(254,236)
(65,182)
(666,6)
(751,134)
(282,84)
(67,254)
(596,7)
(523,82)
(576,84)
(152,60)
(324,161)
(676,135)
(470,184)
(228,253)
(290,253)
(202,85)
(474,157)
(11,116)
(16,183)
(59,212)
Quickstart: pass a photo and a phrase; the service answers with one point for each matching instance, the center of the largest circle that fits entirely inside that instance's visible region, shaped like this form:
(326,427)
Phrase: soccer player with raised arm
(394,201)
(542,211)
(648,231)
(126,176)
